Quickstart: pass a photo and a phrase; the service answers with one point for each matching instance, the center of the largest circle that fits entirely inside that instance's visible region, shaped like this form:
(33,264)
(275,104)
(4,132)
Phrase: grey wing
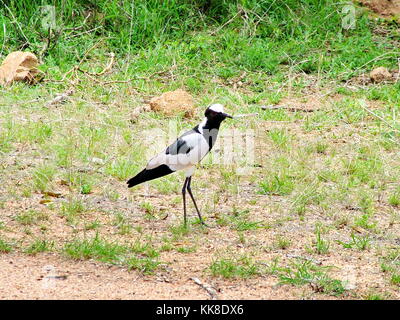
(180,146)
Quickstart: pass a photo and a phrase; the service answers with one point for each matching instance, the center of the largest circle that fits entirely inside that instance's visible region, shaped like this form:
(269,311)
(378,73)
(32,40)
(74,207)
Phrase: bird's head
(215,113)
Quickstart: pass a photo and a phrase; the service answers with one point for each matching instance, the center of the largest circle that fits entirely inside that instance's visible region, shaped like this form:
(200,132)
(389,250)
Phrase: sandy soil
(48,276)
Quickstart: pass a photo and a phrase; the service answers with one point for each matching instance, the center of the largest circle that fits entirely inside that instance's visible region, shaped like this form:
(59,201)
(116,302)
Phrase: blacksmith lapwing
(188,150)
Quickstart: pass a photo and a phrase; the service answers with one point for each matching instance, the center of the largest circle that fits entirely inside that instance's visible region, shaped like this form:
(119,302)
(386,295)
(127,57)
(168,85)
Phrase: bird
(185,153)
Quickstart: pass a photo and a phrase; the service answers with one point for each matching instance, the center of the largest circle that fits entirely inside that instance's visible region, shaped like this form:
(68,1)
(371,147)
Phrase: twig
(210,290)
(106,69)
(363,105)
(240,11)
(82,33)
(75,68)
(15,20)
(292,109)
(246,115)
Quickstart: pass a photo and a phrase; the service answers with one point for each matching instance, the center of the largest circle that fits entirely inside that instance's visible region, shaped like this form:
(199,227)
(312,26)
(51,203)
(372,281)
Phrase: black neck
(210,125)
(209,131)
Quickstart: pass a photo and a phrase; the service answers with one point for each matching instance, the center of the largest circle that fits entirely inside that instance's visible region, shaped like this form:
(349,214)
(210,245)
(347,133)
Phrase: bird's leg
(184,200)
(194,202)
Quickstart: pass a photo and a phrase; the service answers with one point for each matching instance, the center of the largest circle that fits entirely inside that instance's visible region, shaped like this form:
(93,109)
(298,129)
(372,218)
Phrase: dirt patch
(384,8)
(378,75)
(48,276)
(153,216)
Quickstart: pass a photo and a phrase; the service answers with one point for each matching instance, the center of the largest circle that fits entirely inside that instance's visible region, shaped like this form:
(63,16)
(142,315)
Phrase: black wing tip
(147,175)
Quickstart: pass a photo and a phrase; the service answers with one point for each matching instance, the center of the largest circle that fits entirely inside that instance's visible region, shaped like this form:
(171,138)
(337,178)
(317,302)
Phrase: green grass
(145,265)
(95,248)
(375,296)
(321,245)
(242,267)
(72,208)
(358,242)
(5,246)
(279,137)
(31,217)
(157,33)
(122,169)
(138,256)
(391,265)
(394,198)
(42,177)
(122,223)
(282,242)
(305,272)
(239,220)
(280,184)
(39,246)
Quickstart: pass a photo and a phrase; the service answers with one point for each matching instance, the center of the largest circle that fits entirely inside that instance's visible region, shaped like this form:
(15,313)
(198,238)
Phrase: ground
(259,234)
(315,214)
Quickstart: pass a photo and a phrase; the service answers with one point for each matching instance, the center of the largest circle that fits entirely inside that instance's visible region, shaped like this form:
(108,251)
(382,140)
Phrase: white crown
(217,107)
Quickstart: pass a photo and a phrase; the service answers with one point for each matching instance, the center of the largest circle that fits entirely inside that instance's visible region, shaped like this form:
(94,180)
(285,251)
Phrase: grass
(321,245)
(39,246)
(305,272)
(72,208)
(391,265)
(282,242)
(394,198)
(335,167)
(239,221)
(42,177)
(30,217)
(95,248)
(5,246)
(122,223)
(138,256)
(358,242)
(242,267)
(277,184)
(145,265)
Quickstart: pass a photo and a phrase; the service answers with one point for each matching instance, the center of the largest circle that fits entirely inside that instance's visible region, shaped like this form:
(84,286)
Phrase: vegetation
(325,179)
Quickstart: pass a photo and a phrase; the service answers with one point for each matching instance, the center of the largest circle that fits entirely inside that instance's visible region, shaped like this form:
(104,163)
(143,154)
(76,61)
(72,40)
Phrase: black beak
(227,115)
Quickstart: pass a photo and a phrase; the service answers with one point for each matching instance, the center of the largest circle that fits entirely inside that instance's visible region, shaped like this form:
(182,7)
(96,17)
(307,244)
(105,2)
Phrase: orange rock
(380,74)
(19,66)
(174,102)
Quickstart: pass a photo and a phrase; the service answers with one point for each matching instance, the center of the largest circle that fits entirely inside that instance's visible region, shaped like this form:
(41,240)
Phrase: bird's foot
(205,224)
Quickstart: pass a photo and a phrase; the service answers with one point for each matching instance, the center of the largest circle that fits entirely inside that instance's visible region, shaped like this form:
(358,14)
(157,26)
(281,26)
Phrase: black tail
(147,175)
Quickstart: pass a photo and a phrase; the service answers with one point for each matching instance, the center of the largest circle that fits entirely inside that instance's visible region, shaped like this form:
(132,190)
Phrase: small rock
(380,74)
(97,160)
(138,110)
(174,102)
